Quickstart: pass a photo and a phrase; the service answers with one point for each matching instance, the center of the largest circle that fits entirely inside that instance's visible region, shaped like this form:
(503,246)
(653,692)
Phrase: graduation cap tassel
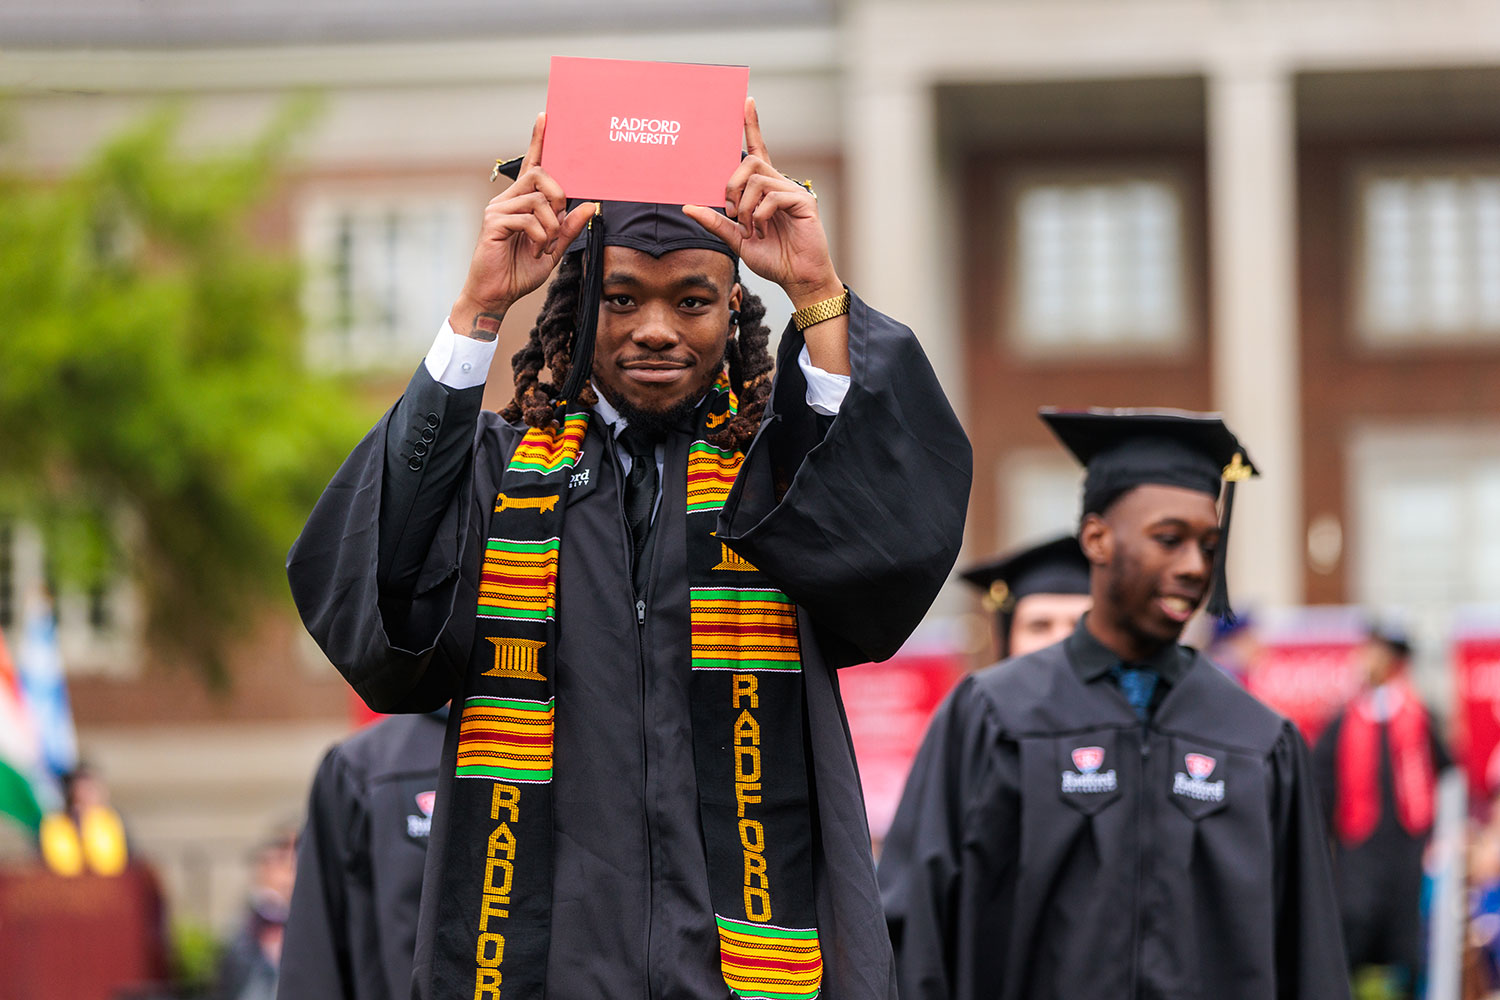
(1218,601)
(586,322)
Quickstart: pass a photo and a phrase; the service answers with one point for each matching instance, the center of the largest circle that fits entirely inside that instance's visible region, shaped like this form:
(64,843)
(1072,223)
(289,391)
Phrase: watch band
(820,312)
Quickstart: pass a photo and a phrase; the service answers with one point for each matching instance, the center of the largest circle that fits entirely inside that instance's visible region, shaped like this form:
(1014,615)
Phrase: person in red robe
(1377,764)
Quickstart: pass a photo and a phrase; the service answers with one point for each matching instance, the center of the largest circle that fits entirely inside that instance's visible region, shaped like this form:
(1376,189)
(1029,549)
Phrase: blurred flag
(45,689)
(19,749)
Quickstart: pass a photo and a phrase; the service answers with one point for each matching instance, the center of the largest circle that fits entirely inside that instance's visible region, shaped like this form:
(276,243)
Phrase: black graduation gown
(1379,880)
(352,929)
(1049,846)
(867,531)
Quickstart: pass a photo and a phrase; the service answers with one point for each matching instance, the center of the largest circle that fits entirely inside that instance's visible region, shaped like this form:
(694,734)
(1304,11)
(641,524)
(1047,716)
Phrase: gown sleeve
(317,958)
(858,518)
(1310,959)
(935,866)
(375,572)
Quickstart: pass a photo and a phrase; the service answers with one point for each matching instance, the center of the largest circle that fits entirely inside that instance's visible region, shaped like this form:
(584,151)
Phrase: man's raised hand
(525,233)
(773,224)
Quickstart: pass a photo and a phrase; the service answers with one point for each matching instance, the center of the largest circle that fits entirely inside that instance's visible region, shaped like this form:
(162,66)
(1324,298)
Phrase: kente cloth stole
(747,716)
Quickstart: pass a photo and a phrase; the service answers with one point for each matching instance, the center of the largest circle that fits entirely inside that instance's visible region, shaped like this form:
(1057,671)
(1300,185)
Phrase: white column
(901,253)
(1256,370)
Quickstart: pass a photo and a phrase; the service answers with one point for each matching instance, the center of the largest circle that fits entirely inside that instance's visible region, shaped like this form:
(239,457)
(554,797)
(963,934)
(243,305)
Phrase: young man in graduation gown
(352,928)
(1378,763)
(1112,818)
(1037,594)
(636,583)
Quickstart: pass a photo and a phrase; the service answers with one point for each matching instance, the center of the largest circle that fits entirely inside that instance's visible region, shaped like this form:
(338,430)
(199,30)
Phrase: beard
(1130,587)
(659,422)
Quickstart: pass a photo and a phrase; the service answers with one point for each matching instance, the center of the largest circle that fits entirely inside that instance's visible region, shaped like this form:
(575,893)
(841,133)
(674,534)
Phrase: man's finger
(534,151)
(736,184)
(739,182)
(528,225)
(776,201)
(572,225)
(551,190)
(757,189)
(754,144)
(534,203)
(715,223)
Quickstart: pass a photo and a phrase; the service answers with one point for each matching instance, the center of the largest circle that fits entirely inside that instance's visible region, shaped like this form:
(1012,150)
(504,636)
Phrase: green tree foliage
(155,415)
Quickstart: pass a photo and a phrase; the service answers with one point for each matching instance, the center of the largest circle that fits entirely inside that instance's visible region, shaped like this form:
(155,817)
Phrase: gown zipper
(640,658)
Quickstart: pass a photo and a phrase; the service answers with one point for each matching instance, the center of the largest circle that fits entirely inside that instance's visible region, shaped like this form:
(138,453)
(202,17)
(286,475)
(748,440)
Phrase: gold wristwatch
(820,312)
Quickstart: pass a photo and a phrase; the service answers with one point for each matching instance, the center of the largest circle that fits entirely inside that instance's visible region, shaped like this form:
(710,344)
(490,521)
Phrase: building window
(1042,495)
(382,273)
(98,629)
(1098,263)
(1427,503)
(1429,262)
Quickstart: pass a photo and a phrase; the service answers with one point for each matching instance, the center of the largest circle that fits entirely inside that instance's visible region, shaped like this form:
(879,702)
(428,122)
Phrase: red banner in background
(1476,718)
(888,705)
(360,714)
(1304,668)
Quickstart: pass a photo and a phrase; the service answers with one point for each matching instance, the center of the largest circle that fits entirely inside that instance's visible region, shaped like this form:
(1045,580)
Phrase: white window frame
(1175,342)
(1378,453)
(1370,332)
(115,651)
(1032,473)
(317,213)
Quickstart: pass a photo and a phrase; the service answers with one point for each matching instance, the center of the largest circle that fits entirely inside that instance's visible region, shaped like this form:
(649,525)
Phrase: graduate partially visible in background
(1378,764)
(1111,816)
(352,930)
(1037,594)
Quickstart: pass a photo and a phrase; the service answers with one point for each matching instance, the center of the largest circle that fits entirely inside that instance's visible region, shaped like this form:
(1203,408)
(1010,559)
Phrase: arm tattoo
(486,326)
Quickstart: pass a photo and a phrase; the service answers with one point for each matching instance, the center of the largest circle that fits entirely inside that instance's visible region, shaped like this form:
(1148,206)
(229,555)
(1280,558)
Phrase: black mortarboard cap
(1056,566)
(1392,632)
(1125,448)
(651,228)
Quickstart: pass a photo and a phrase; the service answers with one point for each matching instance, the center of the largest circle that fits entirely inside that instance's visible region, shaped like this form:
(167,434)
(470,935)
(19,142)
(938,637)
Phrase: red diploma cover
(619,130)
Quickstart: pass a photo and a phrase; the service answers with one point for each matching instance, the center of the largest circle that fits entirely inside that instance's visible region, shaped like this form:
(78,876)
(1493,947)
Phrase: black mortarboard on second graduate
(1125,448)
(1056,566)
(653,229)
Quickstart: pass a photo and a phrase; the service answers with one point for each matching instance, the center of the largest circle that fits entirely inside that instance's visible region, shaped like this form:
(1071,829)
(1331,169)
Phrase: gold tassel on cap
(998,597)
(1237,471)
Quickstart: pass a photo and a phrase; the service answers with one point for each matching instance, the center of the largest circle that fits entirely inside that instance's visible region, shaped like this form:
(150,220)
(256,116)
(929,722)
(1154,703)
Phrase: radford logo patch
(1088,779)
(421,826)
(1195,784)
(578,479)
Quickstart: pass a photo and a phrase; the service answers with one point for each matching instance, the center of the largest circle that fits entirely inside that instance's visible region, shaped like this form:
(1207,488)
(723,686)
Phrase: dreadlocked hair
(749,362)
(549,348)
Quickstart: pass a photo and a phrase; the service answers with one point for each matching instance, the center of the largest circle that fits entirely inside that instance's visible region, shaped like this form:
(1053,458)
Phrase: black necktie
(640,486)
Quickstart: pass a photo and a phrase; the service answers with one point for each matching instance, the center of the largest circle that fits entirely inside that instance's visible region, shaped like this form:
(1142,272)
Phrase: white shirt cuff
(461,362)
(825,390)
